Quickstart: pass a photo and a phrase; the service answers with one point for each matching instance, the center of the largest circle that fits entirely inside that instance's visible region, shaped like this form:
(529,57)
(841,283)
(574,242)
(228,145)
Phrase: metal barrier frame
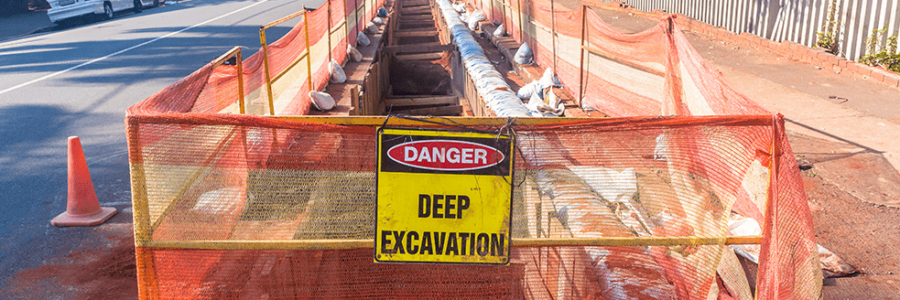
(144,227)
(305,54)
(239,62)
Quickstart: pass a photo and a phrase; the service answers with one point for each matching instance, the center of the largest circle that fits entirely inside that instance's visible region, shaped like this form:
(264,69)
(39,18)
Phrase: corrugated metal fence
(794,20)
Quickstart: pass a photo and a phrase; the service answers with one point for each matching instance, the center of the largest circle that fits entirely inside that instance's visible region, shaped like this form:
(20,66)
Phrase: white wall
(794,20)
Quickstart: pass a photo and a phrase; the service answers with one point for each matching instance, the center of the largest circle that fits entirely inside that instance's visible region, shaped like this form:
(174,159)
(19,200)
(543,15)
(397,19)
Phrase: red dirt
(862,233)
(102,273)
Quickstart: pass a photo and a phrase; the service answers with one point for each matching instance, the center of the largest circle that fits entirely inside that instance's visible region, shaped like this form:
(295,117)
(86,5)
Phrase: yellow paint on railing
(335,244)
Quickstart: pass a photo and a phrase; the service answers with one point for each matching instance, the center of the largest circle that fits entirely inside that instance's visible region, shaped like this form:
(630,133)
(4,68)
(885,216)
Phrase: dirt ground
(420,77)
(859,232)
(103,270)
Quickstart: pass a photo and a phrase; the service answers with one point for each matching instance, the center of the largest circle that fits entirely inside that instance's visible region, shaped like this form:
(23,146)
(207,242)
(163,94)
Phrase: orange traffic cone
(82,208)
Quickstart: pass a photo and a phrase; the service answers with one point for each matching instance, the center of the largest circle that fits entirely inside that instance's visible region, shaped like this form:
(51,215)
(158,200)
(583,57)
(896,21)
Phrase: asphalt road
(79,81)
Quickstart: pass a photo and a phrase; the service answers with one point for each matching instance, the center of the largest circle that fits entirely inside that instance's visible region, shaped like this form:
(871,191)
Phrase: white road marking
(128,49)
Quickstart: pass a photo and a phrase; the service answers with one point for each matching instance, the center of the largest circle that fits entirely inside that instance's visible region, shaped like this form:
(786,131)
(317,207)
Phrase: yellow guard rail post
(234,52)
(269,78)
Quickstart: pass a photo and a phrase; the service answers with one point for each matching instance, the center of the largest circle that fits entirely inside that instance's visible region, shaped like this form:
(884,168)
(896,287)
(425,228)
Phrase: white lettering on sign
(452,155)
(445,155)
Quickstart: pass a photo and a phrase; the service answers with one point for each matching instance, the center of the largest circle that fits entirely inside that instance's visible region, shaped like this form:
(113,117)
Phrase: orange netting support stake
(328,35)
(674,106)
(309,56)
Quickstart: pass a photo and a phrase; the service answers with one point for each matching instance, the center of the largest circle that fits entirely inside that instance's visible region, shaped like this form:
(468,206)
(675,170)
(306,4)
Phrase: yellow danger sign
(443,196)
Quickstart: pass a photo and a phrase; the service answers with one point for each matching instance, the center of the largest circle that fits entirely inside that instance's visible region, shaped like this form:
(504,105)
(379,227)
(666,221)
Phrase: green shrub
(827,38)
(881,50)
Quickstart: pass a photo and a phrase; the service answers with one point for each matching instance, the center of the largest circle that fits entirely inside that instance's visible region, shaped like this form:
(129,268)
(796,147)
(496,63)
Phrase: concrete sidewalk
(818,102)
(19,25)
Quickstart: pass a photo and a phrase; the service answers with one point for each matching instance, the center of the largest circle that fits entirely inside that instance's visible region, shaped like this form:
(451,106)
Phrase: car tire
(108,12)
(138,6)
(155,3)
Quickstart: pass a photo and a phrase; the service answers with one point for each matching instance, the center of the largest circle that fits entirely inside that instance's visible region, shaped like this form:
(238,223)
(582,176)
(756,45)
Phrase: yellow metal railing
(265,46)
(236,53)
(145,225)
(334,244)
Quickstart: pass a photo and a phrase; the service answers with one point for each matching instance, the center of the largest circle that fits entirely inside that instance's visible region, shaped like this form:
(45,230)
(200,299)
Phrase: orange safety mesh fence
(657,72)
(241,206)
(213,89)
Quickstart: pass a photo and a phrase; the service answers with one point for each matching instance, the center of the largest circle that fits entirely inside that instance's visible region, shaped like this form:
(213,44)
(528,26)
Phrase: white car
(65,9)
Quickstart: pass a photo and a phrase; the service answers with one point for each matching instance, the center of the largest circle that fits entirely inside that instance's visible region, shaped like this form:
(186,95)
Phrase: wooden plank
(416,33)
(426,100)
(419,17)
(354,100)
(426,44)
(415,11)
(417,28)
(406,23)
(418,48)
(414,4)
(423,56)
(436,111)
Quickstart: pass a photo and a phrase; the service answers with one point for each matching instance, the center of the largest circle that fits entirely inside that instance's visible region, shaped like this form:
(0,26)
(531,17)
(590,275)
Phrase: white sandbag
(220,202)
(459,7)
(354,54)
(585,106)
(474,18)
(832,265)
(745,227)
(617,187)
(661,151)
(378,21)
(538,108)
(322,101)
(549,79)
(554,101)
(371,28)
(526,91)
(337,73)
(523,55)
(362,39)
(464,17)
(500,31)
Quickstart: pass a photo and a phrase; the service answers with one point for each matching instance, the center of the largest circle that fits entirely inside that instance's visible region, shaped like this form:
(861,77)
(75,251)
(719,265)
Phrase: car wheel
(107,11)
(138,6)
(155,3)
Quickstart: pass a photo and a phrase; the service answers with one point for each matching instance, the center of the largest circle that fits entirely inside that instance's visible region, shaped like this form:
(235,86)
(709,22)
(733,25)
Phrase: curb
(816,56)
(790,49)
(37,30)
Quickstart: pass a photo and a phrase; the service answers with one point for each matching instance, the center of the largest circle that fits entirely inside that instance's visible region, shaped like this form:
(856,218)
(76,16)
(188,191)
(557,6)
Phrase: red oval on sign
(445,155)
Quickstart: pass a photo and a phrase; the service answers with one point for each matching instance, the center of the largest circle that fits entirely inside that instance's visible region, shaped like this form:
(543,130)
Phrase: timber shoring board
(416,33)
(420,100)
(418,48)
(423,56)
(436,111)
(417,24)
(419,17)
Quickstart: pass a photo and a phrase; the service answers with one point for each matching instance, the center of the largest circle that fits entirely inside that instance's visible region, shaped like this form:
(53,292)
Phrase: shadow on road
(33,182)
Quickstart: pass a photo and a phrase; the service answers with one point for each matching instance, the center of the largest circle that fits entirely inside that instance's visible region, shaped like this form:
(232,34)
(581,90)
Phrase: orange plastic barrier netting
(238,206)
(657,72)
(224,203)
(214,89)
